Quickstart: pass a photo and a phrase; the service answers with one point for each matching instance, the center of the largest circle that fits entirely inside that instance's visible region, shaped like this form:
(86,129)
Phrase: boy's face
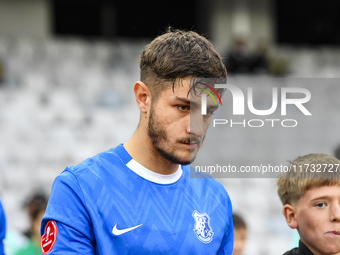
(239,240)
(318,219)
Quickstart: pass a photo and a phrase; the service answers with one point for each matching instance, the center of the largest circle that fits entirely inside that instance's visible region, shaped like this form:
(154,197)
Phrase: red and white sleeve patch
(49,237)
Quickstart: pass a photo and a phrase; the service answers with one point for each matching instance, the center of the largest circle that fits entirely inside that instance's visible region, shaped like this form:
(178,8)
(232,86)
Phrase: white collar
(152,176)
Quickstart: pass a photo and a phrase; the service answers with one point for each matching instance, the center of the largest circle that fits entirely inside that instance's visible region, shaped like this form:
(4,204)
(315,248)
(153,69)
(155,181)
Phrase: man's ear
(142,95)
(290,214)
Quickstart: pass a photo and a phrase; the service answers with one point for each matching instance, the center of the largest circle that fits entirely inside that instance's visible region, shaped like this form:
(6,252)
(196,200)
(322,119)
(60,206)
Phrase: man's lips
(193,146)
(193,143)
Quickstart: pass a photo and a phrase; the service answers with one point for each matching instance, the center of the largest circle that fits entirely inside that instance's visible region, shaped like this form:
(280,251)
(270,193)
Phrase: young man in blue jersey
(138,198)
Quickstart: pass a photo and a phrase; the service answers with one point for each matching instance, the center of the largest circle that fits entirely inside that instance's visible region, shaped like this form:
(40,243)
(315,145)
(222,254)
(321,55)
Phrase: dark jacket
(302,250)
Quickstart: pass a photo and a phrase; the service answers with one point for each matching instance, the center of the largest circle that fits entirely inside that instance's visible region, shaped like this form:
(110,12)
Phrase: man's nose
(195,125)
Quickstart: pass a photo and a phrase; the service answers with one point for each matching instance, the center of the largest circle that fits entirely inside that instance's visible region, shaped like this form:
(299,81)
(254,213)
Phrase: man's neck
(141,149)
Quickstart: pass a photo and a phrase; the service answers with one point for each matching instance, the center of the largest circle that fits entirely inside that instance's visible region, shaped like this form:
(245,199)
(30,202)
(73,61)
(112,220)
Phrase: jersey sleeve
(66,227)
(228,239)
(2,229)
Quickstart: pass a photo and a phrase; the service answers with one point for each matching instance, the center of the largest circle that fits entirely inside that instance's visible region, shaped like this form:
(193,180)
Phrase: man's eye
(183,108)
(320,205)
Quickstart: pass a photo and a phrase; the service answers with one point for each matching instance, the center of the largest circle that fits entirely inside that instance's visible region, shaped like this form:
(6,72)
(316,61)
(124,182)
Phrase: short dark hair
(36,204)
(238,222)
(178,54)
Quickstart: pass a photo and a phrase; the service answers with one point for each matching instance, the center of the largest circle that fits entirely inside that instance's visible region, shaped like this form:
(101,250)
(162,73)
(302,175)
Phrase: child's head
(310,193)
(36,206)
(240,233)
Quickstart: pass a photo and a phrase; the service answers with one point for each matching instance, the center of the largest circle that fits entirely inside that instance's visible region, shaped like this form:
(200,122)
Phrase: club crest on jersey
(202,226)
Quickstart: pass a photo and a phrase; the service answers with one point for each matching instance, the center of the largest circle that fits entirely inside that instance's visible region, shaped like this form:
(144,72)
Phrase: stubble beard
(159,136)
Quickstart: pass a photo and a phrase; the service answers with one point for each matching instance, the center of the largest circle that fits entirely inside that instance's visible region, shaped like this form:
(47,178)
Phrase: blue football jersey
(2,229)
(110,204)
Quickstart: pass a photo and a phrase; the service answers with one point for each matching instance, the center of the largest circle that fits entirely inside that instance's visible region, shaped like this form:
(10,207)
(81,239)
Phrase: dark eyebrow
(187,101)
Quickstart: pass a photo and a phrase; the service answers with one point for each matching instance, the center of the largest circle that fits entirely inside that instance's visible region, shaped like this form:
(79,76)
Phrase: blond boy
(310,193)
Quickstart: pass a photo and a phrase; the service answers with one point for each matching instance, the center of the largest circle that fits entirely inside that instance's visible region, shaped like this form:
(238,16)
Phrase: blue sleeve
(67,209)
(228,239)
(2,229)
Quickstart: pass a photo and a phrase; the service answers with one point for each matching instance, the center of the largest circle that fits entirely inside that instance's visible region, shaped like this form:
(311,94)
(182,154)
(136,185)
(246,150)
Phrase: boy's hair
(238,222)
(36,204)
(305,173)
(178,54)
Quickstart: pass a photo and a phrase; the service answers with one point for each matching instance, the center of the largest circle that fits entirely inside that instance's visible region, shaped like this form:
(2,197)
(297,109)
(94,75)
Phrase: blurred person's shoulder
(29,249)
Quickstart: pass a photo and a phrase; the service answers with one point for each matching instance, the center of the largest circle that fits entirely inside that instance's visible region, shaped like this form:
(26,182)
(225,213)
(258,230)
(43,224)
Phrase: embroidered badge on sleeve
(49,237)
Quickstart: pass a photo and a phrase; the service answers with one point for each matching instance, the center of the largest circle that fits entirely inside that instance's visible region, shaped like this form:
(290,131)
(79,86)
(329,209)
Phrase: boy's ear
(142,95)
(290,214)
